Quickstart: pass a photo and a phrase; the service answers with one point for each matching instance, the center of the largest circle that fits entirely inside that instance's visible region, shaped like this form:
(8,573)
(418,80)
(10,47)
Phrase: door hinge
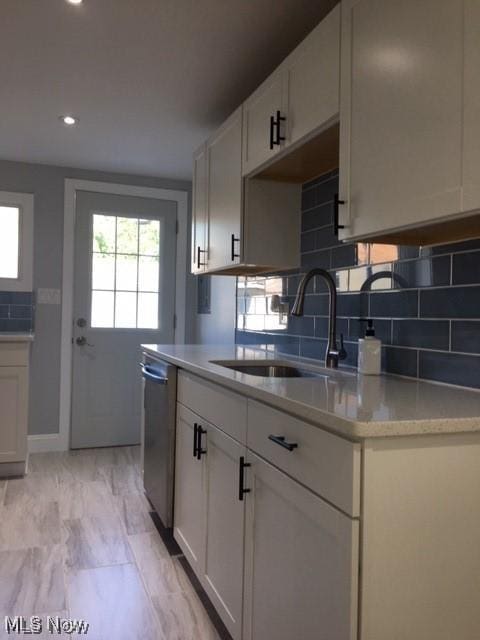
(174,320)
(176,227)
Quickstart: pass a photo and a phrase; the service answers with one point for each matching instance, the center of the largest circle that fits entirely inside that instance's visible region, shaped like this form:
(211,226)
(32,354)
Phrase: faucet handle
(342,352)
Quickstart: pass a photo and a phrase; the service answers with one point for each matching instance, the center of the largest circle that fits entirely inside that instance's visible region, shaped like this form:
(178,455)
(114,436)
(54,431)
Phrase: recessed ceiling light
(74,1)
(69,121)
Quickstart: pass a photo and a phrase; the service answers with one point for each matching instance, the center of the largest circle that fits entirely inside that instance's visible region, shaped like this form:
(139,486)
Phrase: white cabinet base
(14,360)
(421,532)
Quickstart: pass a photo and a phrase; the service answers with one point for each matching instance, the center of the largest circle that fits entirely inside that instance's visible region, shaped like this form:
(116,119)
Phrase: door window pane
(148,274)
(125,272)
(103,271)
(149,241)
(9,239)
(148,310)
(125,310)
(127,235)
(103,234)
(102,308)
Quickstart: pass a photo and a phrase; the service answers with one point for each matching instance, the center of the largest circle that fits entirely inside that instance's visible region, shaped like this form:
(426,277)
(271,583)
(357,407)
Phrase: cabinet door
(471,134)
(14,413)
(225,193)
(401,113)
(225,529)
(313,78)
(199,211)
(190,491)
(301,563)
(257,111)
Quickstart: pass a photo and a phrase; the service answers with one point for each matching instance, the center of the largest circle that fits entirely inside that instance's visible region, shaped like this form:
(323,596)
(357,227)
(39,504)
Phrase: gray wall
(218,327)
(47,185)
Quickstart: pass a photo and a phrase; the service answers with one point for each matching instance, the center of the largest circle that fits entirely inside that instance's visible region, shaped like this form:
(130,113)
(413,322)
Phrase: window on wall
(16,241)
(9,237)
(125,272)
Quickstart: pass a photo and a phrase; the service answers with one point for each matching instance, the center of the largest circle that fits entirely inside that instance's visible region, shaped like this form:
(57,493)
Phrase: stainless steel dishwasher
(159,400)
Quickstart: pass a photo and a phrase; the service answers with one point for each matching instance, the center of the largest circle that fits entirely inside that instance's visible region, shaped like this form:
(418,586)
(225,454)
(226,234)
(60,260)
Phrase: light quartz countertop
(342,401)
(16,337)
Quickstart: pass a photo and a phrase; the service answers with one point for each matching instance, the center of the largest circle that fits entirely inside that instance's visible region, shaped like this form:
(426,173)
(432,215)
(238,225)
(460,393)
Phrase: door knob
(82,342)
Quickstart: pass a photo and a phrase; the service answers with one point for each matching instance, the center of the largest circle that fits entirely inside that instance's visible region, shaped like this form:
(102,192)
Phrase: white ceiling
(149,79)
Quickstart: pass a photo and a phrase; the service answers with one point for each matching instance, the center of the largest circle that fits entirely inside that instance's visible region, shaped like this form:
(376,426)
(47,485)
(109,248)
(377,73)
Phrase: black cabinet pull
(279,119)
(280,440)
(336,203)
(200,451)
(195,437)
(199,264)
(232,247)
(241,478)
(272,131)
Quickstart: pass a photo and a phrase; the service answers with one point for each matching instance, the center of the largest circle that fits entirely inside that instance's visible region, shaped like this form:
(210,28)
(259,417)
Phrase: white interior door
(124,295)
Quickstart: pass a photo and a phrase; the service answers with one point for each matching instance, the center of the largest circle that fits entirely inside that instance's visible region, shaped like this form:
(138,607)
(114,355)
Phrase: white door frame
(61,441)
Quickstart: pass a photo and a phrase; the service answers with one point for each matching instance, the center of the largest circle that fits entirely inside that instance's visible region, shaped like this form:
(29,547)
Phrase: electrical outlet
(49,296)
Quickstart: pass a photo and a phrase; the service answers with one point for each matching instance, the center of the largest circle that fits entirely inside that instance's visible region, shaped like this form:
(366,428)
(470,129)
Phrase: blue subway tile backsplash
(16,311)
(425,301)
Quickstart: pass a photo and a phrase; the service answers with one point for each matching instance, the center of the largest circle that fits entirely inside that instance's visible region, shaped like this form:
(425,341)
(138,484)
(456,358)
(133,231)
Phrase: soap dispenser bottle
(369,352)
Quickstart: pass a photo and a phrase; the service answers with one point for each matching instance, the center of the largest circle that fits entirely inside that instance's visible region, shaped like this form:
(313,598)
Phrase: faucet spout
(333,354)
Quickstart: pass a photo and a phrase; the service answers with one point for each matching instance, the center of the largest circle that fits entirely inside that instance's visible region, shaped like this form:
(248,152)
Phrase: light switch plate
(48,296)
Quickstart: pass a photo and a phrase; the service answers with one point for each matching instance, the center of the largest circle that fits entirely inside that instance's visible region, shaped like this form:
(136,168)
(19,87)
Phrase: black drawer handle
(241,478)
(195,438)
(283,443)
(199,261)
(232,247)
(200,451)
(336,203)
(279,120)
(272,131)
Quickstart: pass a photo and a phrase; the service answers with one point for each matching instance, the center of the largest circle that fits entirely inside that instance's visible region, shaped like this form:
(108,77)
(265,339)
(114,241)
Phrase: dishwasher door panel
(160,381)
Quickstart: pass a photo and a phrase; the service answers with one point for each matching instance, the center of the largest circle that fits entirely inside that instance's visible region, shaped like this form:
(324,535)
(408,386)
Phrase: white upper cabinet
(199,211)
(299,98)
(225,193)
(471,133)
(312,80)
(261,113)
(245,221)
(401,114)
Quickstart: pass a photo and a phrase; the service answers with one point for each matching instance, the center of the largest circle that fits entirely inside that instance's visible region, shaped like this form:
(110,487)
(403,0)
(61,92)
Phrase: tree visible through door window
(125,272)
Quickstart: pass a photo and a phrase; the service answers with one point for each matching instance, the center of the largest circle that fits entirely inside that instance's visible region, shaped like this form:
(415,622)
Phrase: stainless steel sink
(265,369)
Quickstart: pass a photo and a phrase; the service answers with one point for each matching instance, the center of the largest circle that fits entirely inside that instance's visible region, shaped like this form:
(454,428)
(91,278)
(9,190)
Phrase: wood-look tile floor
(77,540)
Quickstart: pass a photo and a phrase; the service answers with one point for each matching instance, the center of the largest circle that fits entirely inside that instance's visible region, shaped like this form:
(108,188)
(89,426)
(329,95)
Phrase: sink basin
(267,369)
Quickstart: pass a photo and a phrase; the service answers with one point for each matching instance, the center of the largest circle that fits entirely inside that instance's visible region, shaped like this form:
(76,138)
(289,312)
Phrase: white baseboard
(45,443)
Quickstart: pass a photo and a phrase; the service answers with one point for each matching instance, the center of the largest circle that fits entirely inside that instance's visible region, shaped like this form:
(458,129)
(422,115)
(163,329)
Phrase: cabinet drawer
(323,462)
(14,354)
(221,407)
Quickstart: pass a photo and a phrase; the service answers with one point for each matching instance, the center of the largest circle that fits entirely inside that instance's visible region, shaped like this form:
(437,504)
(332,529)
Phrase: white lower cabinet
(301,559)
(223,573)
(287,561)
(209,517)
(14,373)
(14,410)
(277,561)
(190,479)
